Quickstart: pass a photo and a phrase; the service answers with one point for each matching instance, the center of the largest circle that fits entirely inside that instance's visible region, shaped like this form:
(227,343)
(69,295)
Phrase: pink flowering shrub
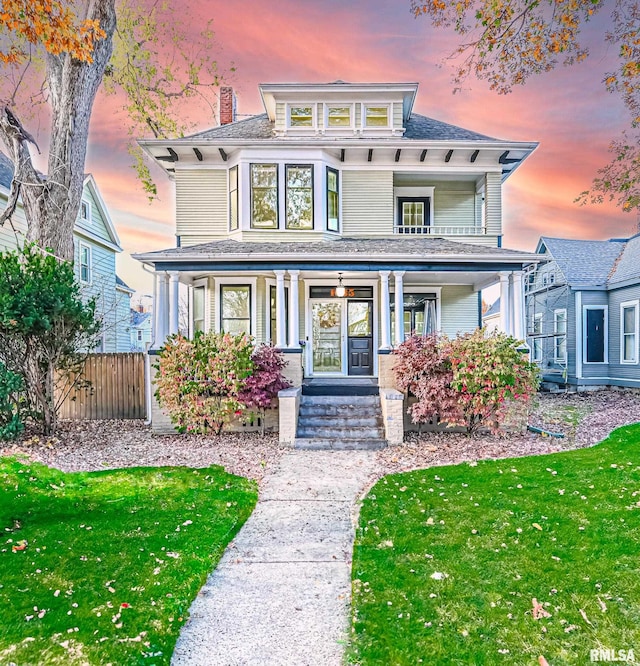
(261,387)
(476,380)
(199,381)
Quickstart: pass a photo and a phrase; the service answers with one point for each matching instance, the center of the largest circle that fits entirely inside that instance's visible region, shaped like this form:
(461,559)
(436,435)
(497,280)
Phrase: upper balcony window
(300,116)
(339,116)
(376,116)
(299,196)
(264,196)
(414,215)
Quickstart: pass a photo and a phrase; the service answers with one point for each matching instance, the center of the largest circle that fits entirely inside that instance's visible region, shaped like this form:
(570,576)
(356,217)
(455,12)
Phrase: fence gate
(116,390)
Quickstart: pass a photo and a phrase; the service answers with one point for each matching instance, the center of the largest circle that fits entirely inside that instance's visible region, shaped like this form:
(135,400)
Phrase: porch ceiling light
(340,290)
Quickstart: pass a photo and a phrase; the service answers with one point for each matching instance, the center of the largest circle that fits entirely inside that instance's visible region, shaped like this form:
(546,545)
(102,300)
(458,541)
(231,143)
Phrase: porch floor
(340,386)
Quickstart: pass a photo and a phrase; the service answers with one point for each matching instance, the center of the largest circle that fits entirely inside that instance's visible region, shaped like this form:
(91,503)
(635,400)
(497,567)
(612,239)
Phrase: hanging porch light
(340,290)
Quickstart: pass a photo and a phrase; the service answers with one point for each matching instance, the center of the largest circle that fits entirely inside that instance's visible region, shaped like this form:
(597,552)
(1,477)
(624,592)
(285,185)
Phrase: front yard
(502,561)
(102,567)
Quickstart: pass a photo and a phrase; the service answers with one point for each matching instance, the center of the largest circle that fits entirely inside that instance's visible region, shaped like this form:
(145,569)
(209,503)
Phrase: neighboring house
(336,224)
(96,244)
(582,312)
(140,330)
(491,318)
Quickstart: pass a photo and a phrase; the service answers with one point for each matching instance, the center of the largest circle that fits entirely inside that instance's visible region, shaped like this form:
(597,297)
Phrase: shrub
(199,381)
(423,367)
(262,386)
(493,378)
(12,403)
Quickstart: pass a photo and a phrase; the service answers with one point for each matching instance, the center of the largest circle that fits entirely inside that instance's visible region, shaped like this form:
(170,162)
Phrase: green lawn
(447,560)
(113,559)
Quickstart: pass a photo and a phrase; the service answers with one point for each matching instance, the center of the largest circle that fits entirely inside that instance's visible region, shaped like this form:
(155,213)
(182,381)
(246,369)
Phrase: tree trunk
(51,202)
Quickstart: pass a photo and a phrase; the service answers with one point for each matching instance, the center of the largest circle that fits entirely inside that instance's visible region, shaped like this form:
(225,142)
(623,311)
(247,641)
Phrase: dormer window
(301,116)
(339,116)
(376,116)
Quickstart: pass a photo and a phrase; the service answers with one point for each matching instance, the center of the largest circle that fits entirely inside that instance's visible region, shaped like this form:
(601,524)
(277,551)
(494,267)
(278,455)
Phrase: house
(96,244)
(140,330)
(334,225)
(491,318)
(582,306)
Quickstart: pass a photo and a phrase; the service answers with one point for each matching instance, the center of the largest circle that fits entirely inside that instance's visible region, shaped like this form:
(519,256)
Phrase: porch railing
(440,230)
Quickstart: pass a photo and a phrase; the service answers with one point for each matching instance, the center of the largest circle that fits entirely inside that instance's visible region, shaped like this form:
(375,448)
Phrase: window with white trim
(560,337)
(629,332)
(299,196)
(264,196)
(273,314)
(199,308)
(85,211)
(85,263)
(537,342)
(339,116)
(233,198)
(235,308)
(333,200)
(301,116)
(376,116)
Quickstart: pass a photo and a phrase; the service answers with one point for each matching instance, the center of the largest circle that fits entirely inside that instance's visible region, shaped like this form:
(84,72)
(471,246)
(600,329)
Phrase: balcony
(457,230)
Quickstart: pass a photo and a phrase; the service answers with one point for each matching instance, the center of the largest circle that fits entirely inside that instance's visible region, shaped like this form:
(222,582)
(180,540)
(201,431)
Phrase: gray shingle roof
(121,283)
(493,310)
(584,263)
(418,128)
(6,171)
(352,247)
(138,318)
(627,267)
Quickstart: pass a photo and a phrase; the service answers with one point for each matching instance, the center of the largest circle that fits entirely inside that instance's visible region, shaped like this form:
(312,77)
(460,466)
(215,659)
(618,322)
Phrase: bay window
(299,196)
(264,196)
(233,198)
(333,196)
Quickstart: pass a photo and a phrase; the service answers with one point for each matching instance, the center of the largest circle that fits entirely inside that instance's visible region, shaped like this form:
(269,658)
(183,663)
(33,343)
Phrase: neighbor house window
(233,198)
(264,196)
(413,215)
(301,116)
(339,116)
(139,336)
(595,334)
(629,332)
(333,197)
(85,210)
(235,309)
(537,342)
(299,196)
(85,263)
(560,337)
(198,308)
(376,116)
(273,334)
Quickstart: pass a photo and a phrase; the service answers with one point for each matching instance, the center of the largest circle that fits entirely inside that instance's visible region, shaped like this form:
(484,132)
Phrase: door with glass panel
(360,337)
(327,336)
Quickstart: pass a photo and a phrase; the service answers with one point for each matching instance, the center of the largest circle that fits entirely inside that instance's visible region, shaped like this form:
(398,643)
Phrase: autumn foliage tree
(505,42)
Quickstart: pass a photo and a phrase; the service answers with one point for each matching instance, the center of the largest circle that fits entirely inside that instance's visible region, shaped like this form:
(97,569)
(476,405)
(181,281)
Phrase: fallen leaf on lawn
(603,606)
(439,575)
(538,610)
(537,526)
(584,617)
(542,661)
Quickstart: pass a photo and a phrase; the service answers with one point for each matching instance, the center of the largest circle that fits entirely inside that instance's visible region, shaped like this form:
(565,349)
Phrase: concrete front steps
(340,422)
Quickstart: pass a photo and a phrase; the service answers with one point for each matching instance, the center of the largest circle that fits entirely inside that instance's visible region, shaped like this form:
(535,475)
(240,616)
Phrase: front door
(360,337)
(327,336)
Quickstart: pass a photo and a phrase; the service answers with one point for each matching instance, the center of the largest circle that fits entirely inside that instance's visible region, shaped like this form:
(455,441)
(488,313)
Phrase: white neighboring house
(96,244)
(491,318)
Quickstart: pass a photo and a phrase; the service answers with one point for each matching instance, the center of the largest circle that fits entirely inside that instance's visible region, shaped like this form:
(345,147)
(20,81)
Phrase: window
(419,315)
(339,116)
(85,263)
(233,198)
(139,336)
(560,338)
(85,210)
(198,309)
(629,332)
(333,200)
(235,309)
(264,196)
(595,334)
(299,196)
(273,336)
(301,116)
(413,215)
(537,342)
(376,116)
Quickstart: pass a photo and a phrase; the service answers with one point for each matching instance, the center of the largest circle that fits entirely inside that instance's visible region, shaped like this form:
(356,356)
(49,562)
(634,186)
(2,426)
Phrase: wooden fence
(116,389)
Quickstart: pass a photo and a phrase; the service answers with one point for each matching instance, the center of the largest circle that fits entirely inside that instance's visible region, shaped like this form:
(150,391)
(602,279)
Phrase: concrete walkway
(280,595)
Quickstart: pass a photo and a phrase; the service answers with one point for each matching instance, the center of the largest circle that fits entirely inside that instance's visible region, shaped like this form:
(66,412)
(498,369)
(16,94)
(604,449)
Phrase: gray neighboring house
(582,307)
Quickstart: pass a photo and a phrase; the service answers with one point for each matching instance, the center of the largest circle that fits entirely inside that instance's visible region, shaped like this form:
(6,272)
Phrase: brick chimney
(227,105)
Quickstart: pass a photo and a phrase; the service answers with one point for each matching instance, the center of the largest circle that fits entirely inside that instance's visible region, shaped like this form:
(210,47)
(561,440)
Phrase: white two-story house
(335,224)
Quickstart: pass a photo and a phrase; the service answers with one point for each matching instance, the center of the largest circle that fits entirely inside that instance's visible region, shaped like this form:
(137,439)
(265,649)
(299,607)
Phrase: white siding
(201,204)
(367,202)
(493,196)
(459,309)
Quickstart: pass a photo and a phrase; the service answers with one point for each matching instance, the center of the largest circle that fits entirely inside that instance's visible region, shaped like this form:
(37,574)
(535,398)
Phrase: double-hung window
(299,196)
(339,116)
(85,211)
(629,332)
(300,116)
(85,263)
(273,314)
(233,198)
(376,116)
(537,341)
(560,336)
(235,308)
(264,196)
(333,200)
(199,308)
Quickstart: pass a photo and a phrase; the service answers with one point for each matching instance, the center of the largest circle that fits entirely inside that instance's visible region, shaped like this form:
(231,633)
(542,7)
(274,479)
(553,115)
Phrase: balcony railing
(440,230)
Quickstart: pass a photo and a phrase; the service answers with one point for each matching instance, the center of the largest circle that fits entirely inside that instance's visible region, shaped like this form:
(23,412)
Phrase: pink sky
(567,111)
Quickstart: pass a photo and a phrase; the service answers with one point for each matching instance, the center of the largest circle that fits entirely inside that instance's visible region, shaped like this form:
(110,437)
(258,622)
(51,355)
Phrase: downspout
(578,340)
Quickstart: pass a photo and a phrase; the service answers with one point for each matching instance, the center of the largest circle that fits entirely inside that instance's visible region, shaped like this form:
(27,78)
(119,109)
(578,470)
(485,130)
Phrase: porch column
(399,303)
(294,306)
(281,317)
(518,306)
(174,302)
(510,311)
(161,314)
(385,320)
(504,302)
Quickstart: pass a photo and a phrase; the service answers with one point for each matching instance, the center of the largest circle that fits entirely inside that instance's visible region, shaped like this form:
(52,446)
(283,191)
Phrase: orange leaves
(51,24)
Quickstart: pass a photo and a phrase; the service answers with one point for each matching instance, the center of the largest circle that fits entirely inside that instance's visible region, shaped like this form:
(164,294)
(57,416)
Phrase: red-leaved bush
(476,380)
